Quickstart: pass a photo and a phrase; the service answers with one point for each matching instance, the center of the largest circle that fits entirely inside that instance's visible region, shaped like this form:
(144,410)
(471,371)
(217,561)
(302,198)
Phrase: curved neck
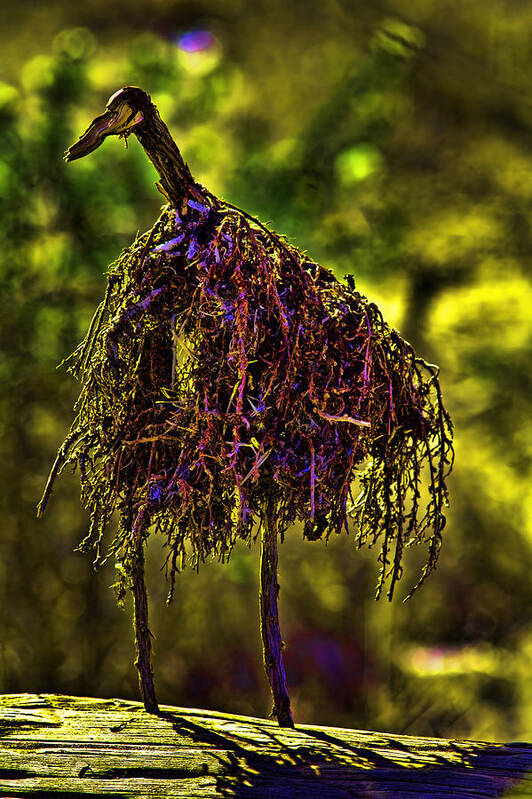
(164,154)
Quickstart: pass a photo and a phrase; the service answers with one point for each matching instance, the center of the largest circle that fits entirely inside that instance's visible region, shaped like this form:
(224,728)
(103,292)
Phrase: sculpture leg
(142,632)
(269,625)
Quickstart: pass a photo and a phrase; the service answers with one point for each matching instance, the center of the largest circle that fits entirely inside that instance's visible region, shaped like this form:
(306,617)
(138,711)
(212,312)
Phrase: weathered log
(72,746)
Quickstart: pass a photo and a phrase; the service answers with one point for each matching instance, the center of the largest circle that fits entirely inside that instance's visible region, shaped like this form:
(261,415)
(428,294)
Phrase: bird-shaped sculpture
(230,387)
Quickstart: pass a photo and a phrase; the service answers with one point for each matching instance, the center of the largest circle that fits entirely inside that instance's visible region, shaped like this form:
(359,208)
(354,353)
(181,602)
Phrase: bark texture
(270,632)
(71,746)
(143,635)
(164,154)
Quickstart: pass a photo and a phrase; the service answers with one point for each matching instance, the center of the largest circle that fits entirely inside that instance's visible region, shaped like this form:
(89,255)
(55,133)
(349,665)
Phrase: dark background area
(392,141)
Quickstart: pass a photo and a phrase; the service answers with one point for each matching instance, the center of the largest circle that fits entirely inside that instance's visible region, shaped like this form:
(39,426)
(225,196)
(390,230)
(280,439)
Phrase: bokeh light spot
(399,38)
(37,73)
(8,96)
(196,40)
(357,163)
(76,43)
(199,51)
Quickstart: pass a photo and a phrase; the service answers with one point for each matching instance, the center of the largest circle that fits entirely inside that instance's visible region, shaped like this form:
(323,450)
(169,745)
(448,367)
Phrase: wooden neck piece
(163,152)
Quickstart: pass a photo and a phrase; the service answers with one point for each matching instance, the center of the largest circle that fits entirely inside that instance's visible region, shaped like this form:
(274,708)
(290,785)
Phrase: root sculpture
(230,387)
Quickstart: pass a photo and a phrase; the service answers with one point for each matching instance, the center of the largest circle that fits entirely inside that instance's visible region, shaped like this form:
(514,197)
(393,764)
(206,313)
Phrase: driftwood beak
(117,122)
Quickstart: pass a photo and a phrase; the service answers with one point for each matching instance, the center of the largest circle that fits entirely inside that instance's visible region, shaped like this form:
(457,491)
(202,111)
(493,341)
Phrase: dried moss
(225,372)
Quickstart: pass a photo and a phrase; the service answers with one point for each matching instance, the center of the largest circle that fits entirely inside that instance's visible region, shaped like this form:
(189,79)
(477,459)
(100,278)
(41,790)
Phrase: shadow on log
(71,746)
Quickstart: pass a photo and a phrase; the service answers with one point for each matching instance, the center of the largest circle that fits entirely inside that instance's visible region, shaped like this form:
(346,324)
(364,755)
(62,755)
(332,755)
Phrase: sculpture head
(125,109)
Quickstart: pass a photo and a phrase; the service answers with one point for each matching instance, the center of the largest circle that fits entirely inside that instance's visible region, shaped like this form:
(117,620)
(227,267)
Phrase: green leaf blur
(392,142)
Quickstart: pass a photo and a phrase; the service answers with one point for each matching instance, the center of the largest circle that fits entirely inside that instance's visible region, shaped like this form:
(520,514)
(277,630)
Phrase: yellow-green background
(392,141)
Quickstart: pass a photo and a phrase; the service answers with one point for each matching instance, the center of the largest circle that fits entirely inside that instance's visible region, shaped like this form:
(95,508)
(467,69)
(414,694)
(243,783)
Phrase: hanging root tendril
(225,371)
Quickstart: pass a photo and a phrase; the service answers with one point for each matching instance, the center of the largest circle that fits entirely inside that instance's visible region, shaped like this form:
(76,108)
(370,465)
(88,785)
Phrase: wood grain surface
(67,746)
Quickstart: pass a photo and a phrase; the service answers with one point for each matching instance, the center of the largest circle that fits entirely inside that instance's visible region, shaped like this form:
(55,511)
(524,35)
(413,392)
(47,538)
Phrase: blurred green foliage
(393,143)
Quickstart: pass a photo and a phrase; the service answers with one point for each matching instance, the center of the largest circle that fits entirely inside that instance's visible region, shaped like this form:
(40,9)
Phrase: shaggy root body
(225,372)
